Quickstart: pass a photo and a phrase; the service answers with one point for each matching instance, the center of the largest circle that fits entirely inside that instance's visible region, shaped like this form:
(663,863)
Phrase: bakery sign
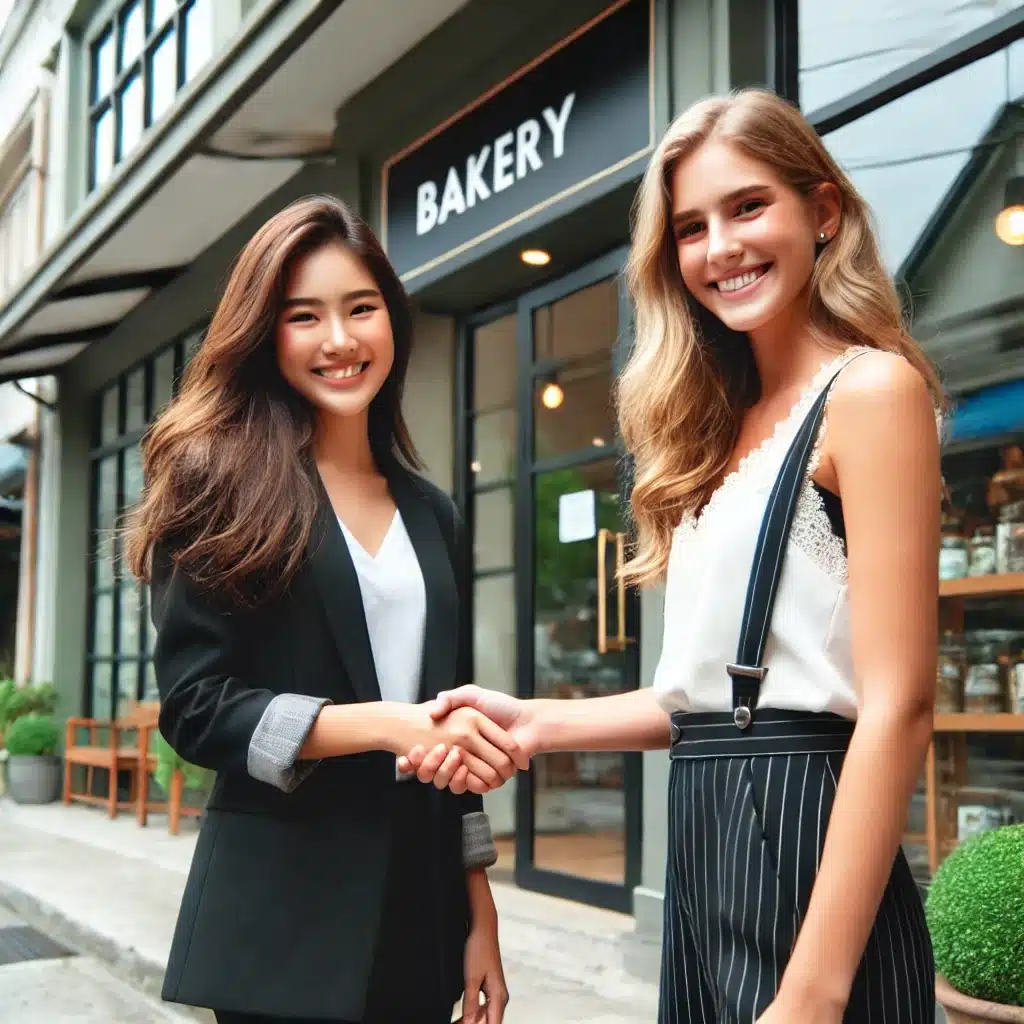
(578,115)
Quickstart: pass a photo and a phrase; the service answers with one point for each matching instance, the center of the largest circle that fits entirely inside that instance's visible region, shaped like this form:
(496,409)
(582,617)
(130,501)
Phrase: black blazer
(281,908)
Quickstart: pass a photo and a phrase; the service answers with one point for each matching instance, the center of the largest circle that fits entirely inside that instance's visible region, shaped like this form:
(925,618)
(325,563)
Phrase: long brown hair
(230,475)
(689,379)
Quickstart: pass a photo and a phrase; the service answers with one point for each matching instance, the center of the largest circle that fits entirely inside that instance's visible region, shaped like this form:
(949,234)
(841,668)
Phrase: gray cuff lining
(279,736)
(478,849)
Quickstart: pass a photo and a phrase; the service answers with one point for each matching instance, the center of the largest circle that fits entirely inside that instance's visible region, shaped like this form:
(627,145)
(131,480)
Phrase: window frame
(122,664)
(110,24)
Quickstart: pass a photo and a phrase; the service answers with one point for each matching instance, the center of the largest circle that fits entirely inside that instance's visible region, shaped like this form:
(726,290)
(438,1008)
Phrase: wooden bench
(129,747)
(119,753)
(145,718)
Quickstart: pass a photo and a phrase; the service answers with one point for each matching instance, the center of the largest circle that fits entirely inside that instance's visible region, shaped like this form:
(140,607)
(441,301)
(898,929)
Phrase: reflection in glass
(149,687)
(103,66)
(844,46)
(573,339)
(148,629)
(192,346)
(127,686)
(133,34)
(494,446)
(128,640)
(103,146)
(163,379)
(494,365)
(101,689)
(906,157)
(163,80)
(198,37)
(103,624)
(106,508)
(108,416)
(494,514)
(494,664)
(133,476)
(135,401)
(162,11)
(132,114)
(579,801)
(585,418)
(580,326)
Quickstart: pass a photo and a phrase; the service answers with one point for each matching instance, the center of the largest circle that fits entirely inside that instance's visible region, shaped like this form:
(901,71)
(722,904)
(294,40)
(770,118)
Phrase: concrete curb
(142,973)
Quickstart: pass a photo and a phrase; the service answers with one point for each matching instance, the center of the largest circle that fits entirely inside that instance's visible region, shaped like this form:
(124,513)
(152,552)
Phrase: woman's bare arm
(882,443)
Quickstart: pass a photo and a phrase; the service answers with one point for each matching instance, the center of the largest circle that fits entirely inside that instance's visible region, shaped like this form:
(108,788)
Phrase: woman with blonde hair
(799,552)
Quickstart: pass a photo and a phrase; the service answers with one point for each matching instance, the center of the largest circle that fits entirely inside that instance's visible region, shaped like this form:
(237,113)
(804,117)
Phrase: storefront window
(934,164)
(139,60)
(907,156)
(845,46)
(120,634)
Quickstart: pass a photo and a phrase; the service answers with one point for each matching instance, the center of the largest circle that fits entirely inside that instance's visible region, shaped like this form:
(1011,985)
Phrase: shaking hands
(486,736)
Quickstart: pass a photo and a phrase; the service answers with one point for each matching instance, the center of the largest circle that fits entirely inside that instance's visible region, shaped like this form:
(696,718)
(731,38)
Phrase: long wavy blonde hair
(689,380)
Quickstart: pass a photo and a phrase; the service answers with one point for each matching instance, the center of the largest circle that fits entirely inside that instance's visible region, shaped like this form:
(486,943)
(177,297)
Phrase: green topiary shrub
(975,914)
(32,735)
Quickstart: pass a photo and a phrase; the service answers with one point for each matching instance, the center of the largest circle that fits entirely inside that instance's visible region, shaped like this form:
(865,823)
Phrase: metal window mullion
(179,42)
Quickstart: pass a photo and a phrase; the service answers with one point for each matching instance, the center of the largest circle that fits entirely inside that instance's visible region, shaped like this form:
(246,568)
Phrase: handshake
(467,739)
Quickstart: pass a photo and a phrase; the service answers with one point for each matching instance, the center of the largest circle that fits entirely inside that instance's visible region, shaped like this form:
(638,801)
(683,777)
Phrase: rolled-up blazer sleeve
(209,714)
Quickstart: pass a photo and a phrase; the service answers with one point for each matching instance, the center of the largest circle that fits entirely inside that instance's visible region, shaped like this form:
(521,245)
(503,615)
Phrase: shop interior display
(974,774)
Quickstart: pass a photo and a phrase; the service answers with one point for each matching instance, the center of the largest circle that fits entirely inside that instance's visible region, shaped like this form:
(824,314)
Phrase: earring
(822,236)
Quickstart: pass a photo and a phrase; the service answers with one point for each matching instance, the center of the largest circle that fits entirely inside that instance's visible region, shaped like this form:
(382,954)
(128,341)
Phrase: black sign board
(579,113)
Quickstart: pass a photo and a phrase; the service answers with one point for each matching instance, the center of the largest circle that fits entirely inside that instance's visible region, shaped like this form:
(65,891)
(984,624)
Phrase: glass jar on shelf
(1015,683)
(1010,538)
(982,560)
(953,555)
(949,693)
(984,690)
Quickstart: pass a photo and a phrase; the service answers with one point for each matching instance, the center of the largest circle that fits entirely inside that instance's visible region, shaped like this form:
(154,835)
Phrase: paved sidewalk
(58,989)
(111,890)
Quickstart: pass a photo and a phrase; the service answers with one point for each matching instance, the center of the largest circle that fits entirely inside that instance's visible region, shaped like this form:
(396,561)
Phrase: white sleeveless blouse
(808,654)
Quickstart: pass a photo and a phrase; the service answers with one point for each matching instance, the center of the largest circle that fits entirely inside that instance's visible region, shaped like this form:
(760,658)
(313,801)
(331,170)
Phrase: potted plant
(976,918)
(33,769)
(16,701)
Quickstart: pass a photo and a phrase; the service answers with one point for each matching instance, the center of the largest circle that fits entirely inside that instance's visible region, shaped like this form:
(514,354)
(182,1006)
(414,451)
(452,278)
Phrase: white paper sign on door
(577,518)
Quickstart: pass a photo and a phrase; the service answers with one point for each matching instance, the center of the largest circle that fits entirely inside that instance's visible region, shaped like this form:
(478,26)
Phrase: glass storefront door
(546,505)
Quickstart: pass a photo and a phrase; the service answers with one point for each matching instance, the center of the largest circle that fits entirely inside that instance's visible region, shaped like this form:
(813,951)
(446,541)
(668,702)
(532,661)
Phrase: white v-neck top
(395,607)
(809,654)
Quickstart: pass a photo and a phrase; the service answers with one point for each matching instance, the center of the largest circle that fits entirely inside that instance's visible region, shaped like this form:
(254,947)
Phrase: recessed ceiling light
(535,257)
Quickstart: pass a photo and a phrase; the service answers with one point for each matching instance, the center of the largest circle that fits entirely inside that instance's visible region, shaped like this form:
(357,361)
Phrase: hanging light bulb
(552,396)
(1010,221)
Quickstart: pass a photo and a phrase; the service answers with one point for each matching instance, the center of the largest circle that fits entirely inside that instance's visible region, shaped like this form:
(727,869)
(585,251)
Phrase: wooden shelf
(964,722)
(983,586)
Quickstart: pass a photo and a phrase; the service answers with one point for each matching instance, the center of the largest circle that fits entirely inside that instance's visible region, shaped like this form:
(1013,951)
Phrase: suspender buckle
(747,672)
(747,681)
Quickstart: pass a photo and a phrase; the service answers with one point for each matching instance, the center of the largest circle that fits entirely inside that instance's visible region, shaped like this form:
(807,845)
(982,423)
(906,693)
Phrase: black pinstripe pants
(745,840)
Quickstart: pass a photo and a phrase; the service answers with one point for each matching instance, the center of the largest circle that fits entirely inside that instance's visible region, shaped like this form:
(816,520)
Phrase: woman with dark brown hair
(305,595)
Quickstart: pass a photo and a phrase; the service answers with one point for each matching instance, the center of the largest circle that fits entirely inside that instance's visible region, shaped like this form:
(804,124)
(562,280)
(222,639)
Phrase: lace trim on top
(812,528)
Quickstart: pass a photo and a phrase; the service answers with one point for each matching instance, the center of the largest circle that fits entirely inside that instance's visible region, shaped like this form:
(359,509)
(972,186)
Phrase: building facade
(496,149)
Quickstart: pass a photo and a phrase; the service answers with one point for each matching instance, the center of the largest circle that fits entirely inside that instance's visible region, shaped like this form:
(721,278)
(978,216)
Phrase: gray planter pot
(33,780)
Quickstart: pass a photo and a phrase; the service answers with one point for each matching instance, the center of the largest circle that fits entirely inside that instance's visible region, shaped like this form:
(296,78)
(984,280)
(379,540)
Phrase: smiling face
(745,240)
(334,341)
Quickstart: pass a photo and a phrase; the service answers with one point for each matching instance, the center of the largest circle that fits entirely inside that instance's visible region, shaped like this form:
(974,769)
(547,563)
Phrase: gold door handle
(618,642)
